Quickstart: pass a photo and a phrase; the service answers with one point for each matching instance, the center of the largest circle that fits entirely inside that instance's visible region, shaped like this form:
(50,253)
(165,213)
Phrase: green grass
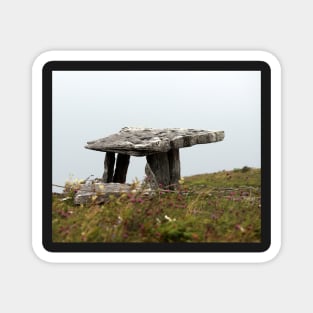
(218,207)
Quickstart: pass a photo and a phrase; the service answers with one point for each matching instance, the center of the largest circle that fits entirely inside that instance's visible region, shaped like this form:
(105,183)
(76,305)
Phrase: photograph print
(156,155)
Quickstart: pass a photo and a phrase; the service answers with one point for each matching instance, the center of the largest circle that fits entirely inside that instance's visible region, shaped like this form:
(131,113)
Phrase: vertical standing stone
(108,167)
(174,166)
(150,179)
(120,173)
(158,163)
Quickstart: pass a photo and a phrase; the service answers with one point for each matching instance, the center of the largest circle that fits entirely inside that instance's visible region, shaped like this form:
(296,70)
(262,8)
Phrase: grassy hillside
(218,207)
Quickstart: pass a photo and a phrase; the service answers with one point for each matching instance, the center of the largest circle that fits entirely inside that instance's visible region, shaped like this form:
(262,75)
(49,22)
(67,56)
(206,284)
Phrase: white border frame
(156,257)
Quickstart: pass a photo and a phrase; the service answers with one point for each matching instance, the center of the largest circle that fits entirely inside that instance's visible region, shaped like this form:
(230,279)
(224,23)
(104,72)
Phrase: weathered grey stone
(101,192)
(150,177)
(109,162)
(174,166)
(145,141)
(160,146)
(120,173)
(159,165)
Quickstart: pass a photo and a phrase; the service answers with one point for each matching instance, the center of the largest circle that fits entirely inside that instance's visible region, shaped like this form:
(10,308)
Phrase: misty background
(89,105)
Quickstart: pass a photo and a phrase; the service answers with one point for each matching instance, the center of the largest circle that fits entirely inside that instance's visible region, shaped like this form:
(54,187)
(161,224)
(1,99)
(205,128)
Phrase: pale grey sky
(88,105)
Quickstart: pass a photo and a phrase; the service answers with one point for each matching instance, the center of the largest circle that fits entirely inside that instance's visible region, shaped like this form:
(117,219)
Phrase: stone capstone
(160,146)
(145,141)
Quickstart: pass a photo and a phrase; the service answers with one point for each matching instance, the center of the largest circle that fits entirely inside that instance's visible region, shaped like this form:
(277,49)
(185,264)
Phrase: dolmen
(159,146)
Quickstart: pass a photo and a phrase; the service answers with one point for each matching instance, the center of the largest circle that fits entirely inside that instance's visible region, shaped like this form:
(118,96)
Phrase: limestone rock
(122,163)
(159,165)
(150,178)
(99,192)
(146,141)
(109,163)
(174,166)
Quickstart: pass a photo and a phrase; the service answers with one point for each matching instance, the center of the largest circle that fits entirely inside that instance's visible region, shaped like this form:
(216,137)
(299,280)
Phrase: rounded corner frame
(45,59)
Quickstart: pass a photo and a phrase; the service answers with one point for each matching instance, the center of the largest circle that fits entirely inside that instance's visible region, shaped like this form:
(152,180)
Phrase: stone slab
(101,192)
(146,141)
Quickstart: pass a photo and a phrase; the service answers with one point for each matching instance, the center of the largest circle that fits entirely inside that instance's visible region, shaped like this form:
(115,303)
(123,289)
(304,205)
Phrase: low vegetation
(218,207)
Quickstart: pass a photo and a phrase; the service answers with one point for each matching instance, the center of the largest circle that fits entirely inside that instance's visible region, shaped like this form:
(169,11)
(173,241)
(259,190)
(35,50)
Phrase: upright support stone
(159,165)
(174,166)
(150,179)
(109,162)
(120,173)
